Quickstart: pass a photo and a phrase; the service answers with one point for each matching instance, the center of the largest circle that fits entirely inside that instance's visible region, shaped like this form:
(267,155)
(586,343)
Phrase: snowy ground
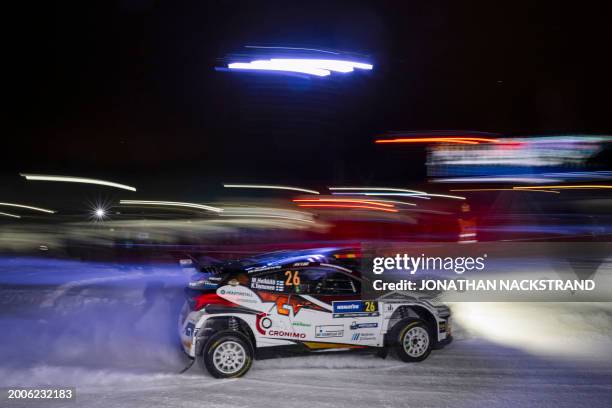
(109,330)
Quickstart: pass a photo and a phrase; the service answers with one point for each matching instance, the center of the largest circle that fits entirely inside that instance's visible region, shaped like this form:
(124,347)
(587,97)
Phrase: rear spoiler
(205,264)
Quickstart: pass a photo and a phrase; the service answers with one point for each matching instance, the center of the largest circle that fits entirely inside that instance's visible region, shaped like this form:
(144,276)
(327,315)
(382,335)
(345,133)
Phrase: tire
(227,354)
(413,340)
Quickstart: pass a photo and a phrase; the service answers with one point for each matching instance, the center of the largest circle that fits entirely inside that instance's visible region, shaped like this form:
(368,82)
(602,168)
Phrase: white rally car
(307,300)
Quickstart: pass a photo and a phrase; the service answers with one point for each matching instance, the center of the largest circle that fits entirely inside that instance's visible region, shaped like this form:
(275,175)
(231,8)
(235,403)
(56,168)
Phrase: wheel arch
(407,312)
(216,324)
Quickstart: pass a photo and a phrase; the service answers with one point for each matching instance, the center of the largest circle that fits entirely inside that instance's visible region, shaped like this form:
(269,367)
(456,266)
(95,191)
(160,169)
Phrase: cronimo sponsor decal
(332,330)
(286,334)
(355,325)
(263,324)
(355,308)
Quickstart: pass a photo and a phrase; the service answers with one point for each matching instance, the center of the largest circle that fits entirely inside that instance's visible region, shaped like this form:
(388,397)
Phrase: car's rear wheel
(414,341)
(227,355)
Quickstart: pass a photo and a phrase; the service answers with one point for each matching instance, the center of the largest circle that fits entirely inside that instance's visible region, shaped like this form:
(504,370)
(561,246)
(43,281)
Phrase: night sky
(127,90)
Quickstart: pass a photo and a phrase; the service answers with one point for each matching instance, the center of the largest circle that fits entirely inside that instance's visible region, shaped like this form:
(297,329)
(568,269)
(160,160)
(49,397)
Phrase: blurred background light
(28,207)
(70,179)
(171,204)
(99,213)
(270,187)
(311,66)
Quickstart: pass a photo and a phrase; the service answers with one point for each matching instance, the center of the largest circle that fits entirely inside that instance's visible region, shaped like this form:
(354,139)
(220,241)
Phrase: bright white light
(9,215)
(331,65)
(27,207)
(172,204)
(99,213)
(272,187)
(572,330)
(318,67)
(336,66)
(70,179)
(272,66)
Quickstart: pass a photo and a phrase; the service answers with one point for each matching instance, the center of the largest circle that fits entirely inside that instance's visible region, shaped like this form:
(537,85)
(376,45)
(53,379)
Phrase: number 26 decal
(293,278)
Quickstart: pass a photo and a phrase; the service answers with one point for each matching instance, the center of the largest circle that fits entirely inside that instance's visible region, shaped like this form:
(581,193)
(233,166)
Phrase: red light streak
(445,139)
(343,200)
(365,207)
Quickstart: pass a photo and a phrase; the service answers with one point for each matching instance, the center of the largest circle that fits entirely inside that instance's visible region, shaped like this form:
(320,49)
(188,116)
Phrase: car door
(326,304)
(275,320)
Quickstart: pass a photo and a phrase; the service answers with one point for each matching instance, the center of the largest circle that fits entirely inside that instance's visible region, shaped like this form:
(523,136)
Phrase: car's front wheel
(414,341)
(227,355)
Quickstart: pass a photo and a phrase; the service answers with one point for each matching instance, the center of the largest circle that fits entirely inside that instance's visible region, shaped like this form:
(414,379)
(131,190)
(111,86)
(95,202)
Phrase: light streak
(446,139)
(290,48)
(343,200)
(563,187)
(454,197)
(70,179)
(29,207)
(271,66)
(311,66)
(504,189)
(172,204)
(377,189)
(378,200)
(508,179)
(366,207)
(271,187)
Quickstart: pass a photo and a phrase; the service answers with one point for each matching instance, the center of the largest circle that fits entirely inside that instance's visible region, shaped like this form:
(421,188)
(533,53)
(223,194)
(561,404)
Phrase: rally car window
(321,281)
(239,278)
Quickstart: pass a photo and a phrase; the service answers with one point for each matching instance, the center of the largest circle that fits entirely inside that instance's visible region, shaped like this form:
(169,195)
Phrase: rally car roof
(278,259)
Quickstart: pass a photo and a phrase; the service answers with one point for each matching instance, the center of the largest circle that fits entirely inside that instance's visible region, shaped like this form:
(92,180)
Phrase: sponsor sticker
(238,294)
(263,324)
(202,284)
(332,330)
(355,308)
(286,334)
(301,324)
(263,268)
(266,323)
(389,309)
(355,325)
(363,336)
(189,329)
